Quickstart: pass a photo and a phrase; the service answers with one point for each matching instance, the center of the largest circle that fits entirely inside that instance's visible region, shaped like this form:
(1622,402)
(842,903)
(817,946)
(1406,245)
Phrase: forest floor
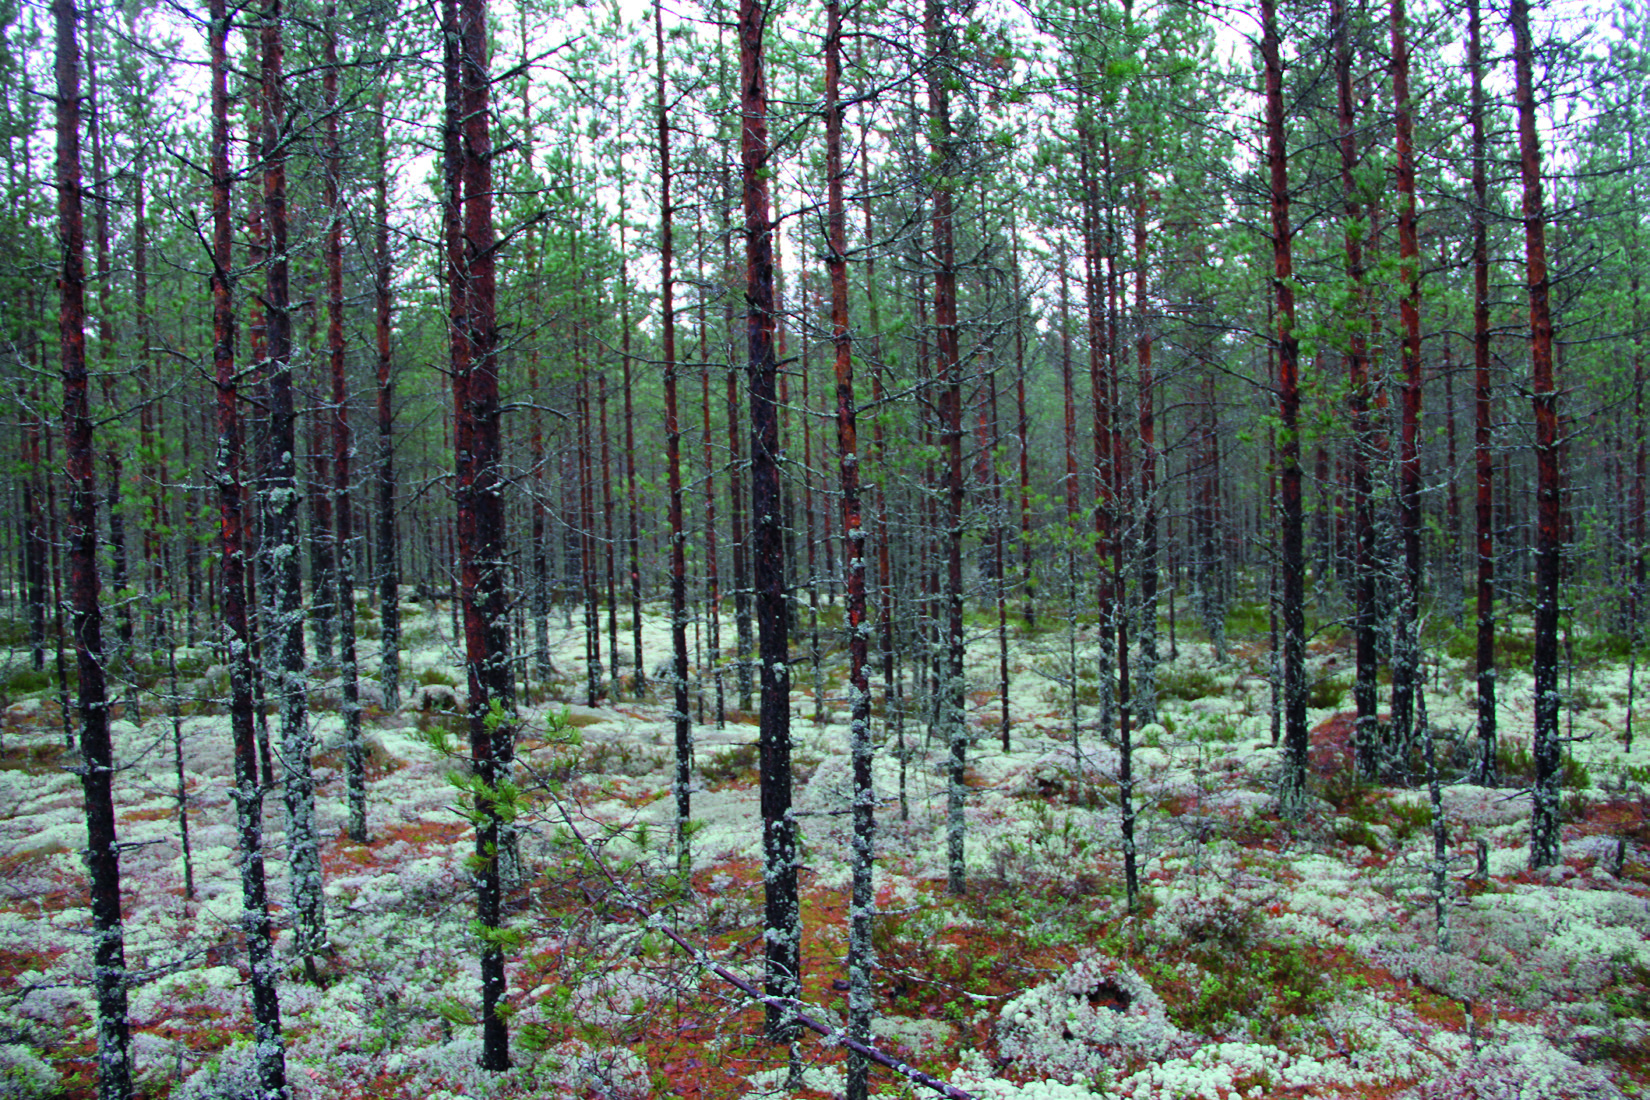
(1263,959)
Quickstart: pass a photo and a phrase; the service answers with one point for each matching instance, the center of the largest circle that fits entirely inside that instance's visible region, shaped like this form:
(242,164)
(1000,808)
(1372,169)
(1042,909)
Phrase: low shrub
(26,681)
(1188,682)
(1326,691)
(731,764)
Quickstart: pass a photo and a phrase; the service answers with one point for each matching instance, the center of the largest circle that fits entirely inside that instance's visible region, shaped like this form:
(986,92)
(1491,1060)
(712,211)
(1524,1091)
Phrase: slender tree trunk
(1145,681)
(713,574)
(608,543)
(862,902)
(280,508)
(634,500)
(480,514)
(1450,571)
(355,758)
(683,780)
(1099,346)
(1483,423)
(1641,460)
(596,684)
(1406,649)
(247,792)
(893,703)
(35,542)
(740,546)
(97,764)
(120,658)
(1022,427)
(323,551)
(389,551)
(1292,795)
(782,915)
(948,377)
(1549,531)
(1365,615)
(810,526)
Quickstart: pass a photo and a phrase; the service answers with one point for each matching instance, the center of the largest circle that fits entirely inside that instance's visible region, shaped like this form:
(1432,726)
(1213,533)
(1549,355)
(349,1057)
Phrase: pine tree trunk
(478,485)
(1022,427)
(1365,615)
(247,792)
(355,759)
(1145,683)
(389,551)
(713,575)
(633,499)
(681,784)
(1483,422)
(862,902)
(1292,795)
(1549,529)
(279,492)
(782,915)
(948,377)
(608,542)
(97,763)
(120,657)
(1406,648)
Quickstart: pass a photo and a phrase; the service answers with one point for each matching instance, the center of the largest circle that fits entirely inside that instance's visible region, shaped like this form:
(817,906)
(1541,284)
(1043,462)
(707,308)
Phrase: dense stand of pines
(1096,369)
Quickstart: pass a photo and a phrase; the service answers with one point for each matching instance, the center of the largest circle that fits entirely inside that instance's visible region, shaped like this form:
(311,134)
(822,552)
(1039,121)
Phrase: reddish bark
(480,519)
(247,793)
(1287,345)
(782,918)
(947,375)
(1549,530)
(102,854)
(862,901)
(1406,672)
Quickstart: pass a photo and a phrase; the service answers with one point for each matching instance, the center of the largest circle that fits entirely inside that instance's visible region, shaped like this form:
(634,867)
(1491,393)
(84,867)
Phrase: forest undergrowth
(1263,958)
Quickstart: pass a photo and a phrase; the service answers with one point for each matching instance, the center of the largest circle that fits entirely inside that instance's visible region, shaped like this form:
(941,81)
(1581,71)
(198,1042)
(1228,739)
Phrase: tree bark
(355,758)
(280,508)
(1483,423)
(1292,795)
(862,902)
(1549,530)
(1365,615)
(1406,647)
(782,915)
(1145,680)
(682,782)
(114,1070)
(478,492)
(389,551)
(247,792)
